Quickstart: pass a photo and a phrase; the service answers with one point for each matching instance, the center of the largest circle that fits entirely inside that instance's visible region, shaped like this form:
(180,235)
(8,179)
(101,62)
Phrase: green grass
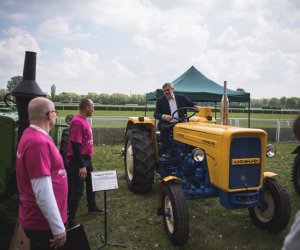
(132,218)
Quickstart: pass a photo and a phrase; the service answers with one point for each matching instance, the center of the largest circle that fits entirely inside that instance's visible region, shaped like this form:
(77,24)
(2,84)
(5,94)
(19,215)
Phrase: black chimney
(26,90)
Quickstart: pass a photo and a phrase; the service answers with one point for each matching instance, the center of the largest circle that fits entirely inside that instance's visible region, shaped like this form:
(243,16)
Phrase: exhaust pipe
(224,106)
(26,90)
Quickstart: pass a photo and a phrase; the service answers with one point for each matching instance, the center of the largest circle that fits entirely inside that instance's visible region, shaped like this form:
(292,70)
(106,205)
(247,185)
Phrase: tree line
(122,99)
(69,97)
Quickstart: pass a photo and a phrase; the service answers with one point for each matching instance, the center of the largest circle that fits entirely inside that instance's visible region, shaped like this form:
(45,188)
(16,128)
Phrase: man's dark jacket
(163,107)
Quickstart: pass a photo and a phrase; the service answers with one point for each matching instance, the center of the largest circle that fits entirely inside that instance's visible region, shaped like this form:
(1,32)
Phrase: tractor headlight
(271,150)
(198,154)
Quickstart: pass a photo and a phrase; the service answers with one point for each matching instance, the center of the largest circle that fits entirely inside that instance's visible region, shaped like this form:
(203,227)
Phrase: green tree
(53,91)
(13,82)
(265,102)
(3,92)
(298,106)
(67,97)
(104,98)
(240,90)
(283,101)
(137,99)
(292,102)
(118,98)
(255,103)
(93,96)
(274,102)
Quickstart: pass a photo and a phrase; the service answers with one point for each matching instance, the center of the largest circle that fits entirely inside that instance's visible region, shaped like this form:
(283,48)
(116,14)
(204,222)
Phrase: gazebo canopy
(197,87)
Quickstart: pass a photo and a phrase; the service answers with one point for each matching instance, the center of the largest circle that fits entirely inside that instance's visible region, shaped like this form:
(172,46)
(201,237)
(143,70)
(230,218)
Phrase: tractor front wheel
(139,159)
(273,213)
(175,214)
(296,174)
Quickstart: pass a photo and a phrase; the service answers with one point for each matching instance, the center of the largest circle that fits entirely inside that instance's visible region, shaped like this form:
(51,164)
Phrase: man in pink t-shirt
(41,179)
(79,154)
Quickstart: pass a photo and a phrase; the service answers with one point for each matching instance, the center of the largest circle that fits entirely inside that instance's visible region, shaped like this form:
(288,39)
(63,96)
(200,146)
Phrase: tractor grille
(245,162)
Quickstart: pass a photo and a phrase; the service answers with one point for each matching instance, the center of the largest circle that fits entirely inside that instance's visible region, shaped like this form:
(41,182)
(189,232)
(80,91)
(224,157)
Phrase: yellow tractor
(207,160)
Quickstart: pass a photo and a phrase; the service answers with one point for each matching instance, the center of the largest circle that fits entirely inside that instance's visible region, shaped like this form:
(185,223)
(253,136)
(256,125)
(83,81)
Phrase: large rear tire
(296,174)
(64,145)
(175,214)
(139,160)
(275,215)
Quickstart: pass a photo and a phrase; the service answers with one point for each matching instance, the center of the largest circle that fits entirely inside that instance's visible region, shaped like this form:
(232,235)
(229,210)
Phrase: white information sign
(104,180)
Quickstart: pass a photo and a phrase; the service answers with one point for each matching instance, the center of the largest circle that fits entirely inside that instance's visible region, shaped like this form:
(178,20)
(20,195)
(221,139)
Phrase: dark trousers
(76,186)
(39,240)
(166,130)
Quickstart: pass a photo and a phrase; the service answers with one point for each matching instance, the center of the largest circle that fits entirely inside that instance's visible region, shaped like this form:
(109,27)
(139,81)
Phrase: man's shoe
(96,209)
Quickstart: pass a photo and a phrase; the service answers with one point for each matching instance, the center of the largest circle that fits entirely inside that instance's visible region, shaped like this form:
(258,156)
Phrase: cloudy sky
(134,46)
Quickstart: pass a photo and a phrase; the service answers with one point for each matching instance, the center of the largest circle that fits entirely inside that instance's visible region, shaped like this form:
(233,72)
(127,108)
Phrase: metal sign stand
(103,181)
(104,238)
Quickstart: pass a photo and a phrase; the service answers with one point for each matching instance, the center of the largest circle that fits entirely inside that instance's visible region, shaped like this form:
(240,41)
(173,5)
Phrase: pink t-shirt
(81,132)
(38,156)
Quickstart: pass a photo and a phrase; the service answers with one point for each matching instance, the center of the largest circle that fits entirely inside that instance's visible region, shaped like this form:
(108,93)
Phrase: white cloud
(78,64)
(258,73)
(60,28)
(129,14)
(136,45)
(17,42)
(76,71)
(80,71)
(12,52)
(176,43)
(121,70)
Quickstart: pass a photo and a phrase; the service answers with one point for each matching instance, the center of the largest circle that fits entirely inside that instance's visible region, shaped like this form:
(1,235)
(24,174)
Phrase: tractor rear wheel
(296,174)
(175,214)
(139,160)
(64,145)
(274,215)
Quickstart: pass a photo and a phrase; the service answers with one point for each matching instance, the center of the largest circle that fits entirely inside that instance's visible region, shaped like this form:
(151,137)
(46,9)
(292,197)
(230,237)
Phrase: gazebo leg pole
(216,111)
(249,114)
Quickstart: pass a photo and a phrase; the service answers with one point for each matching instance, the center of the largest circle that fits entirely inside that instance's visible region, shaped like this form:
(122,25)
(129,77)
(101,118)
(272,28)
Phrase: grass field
(132,218)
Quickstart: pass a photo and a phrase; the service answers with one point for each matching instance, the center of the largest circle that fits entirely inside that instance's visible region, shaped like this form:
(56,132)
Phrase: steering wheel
(185,118)
(8,101)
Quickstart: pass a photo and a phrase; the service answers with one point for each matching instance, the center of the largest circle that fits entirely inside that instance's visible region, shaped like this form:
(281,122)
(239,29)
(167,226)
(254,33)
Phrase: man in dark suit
(165,107)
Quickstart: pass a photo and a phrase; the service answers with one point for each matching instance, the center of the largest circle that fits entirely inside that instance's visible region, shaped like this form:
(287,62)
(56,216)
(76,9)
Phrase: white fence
(278,129)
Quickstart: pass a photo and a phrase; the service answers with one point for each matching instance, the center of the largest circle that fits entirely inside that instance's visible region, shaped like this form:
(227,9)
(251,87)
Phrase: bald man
(79,154)
(42,180)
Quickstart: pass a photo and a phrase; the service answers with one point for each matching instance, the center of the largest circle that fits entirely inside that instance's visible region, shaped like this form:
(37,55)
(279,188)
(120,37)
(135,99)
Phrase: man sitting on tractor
(166,105)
